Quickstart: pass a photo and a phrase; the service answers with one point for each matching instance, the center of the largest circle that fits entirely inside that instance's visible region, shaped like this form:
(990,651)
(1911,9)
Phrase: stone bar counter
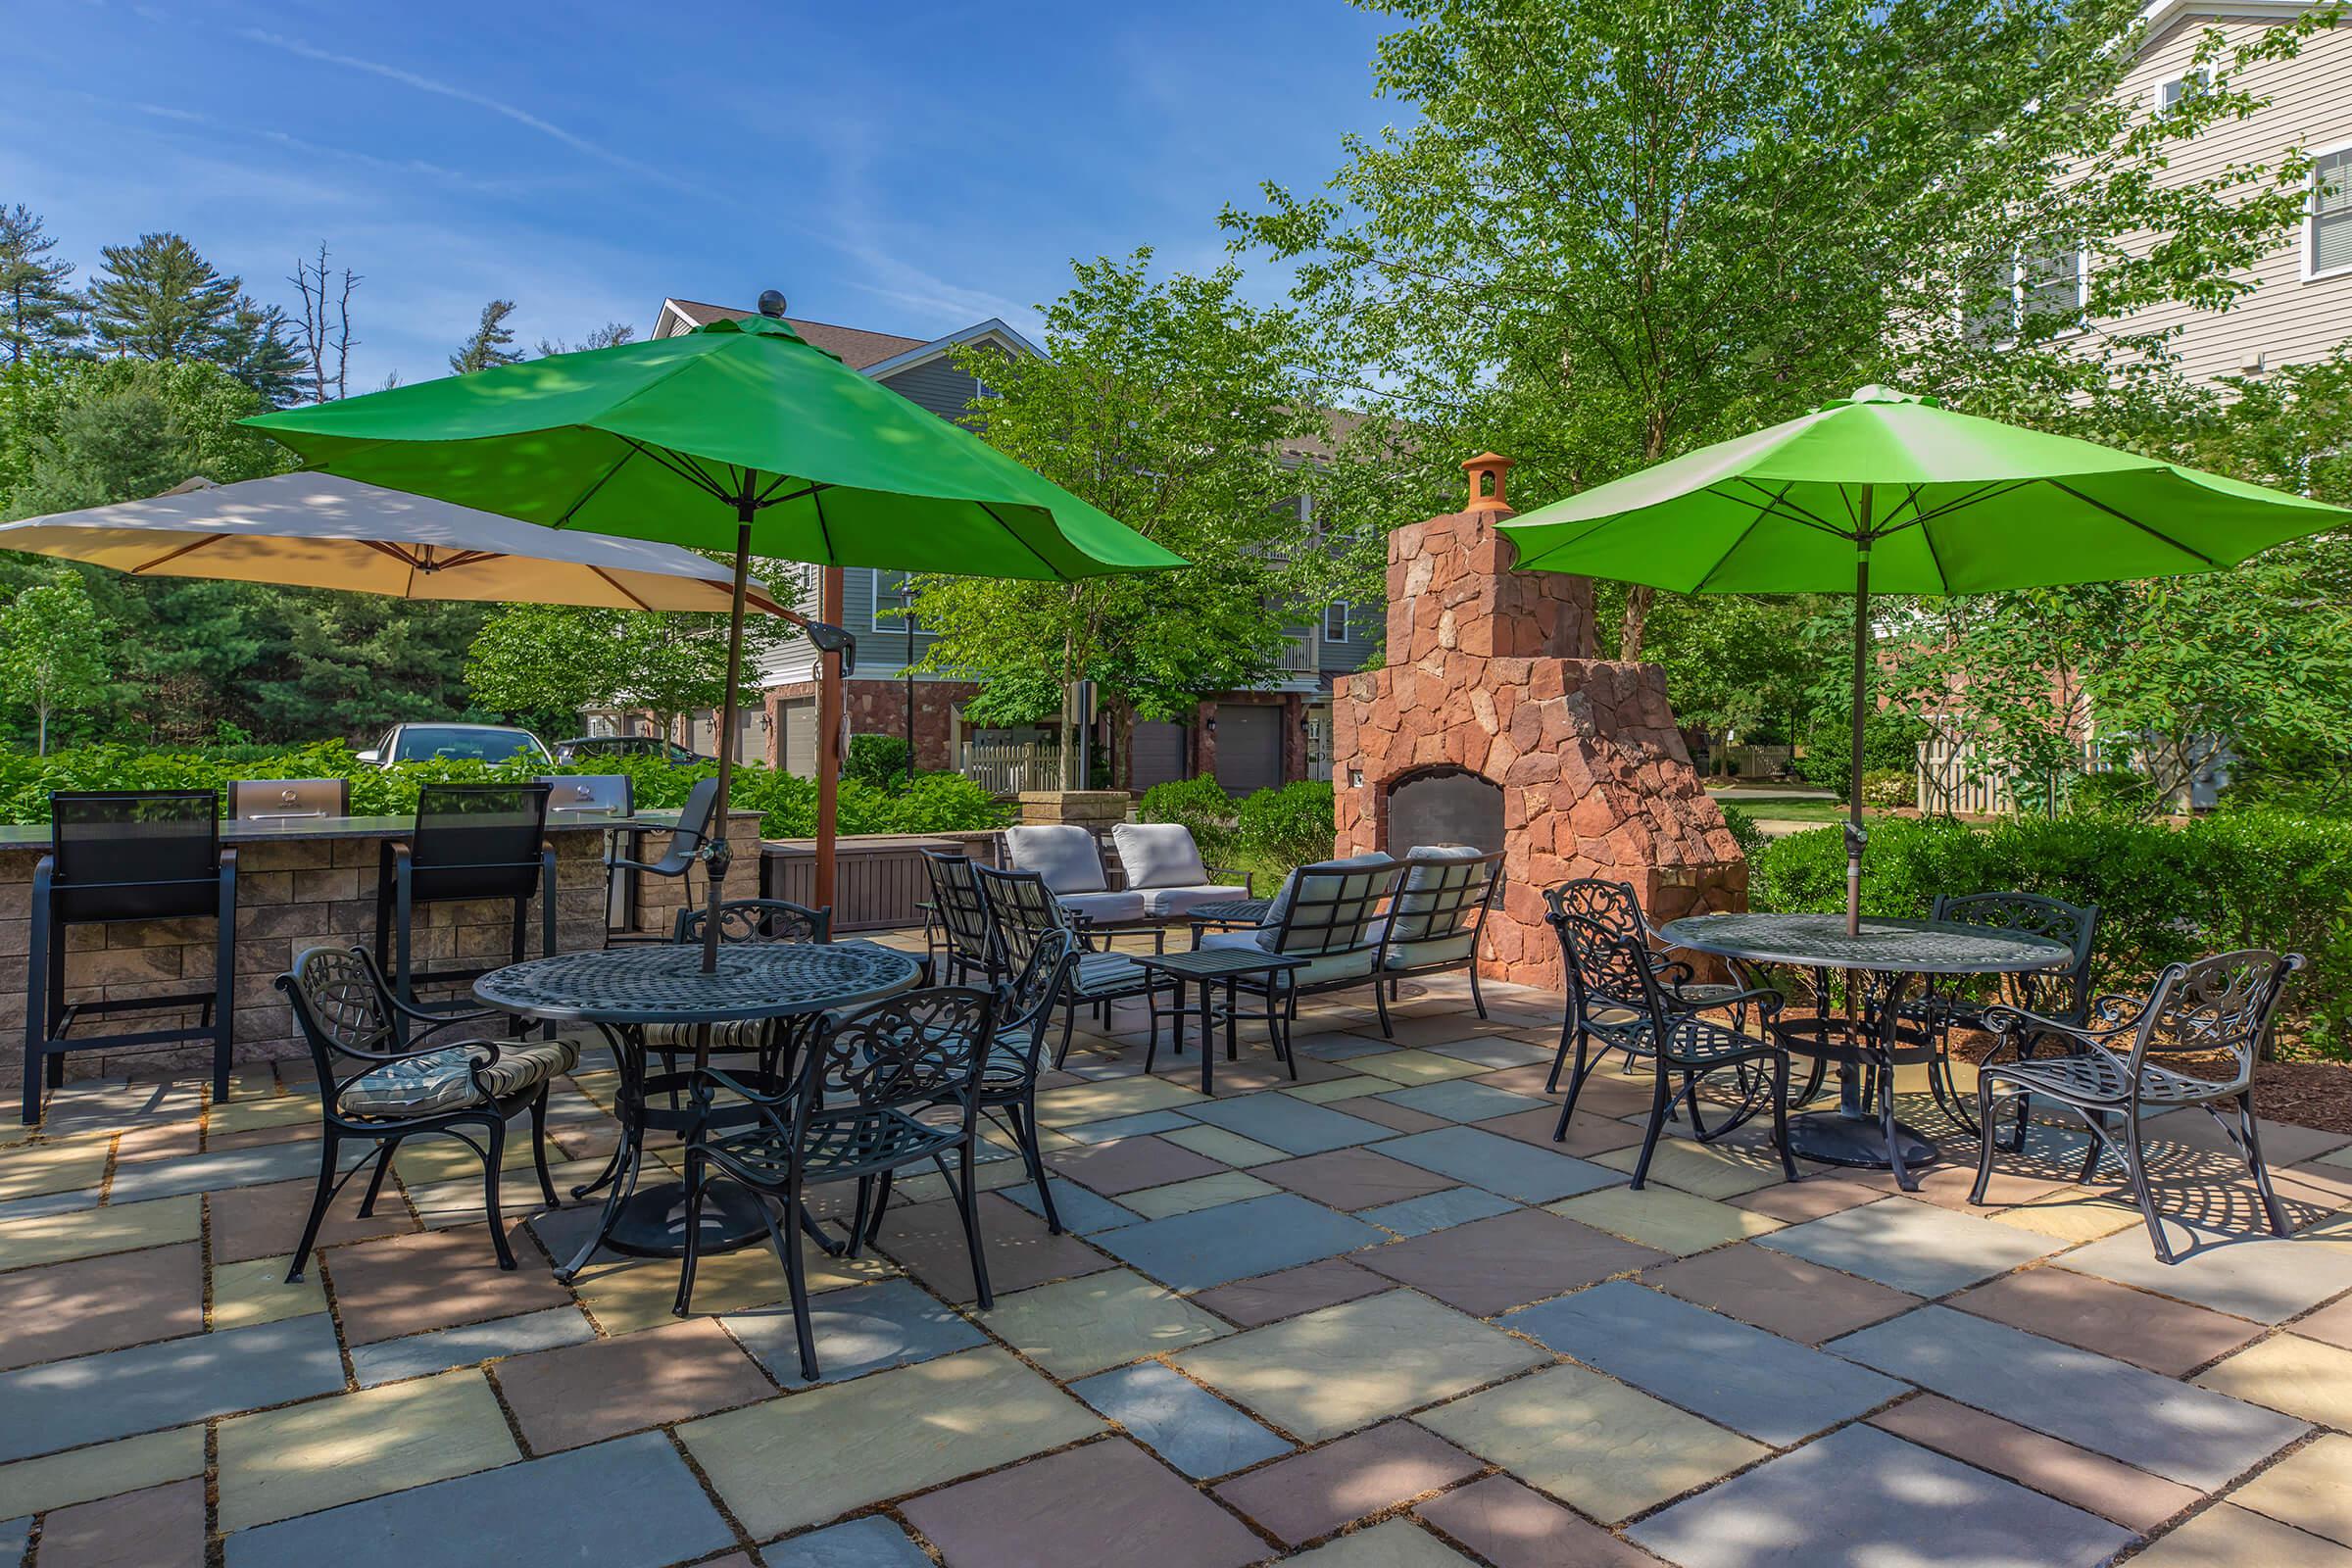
(308,883)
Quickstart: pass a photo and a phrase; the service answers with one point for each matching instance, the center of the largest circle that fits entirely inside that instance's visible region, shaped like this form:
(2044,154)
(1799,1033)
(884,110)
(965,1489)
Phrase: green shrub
(1200,805)
(1288,826)
(1887,788)
(2238,879)
(1889,744)
(1750,838)
(876,759)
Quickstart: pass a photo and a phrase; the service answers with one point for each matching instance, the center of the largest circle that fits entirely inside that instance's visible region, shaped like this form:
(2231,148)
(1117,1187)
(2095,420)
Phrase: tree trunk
(1638,598)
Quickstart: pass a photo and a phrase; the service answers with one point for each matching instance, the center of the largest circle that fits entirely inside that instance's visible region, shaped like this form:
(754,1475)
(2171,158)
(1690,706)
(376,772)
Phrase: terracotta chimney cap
(1484,467)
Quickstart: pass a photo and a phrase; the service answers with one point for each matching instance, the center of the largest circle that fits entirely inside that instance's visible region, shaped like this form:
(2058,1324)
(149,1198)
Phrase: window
(1335,622)
(2328,231)
(2051,283)
(889,600)
(2173,92)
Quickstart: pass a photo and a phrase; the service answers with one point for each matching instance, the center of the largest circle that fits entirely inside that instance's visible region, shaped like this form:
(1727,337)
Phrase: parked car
(483,743)
(587,747)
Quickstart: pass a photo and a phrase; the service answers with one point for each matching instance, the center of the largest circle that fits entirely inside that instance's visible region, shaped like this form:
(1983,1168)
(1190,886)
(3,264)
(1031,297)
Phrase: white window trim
(2156,104)
(895,626)
(2308,247)
(2015,325)
(1345,609)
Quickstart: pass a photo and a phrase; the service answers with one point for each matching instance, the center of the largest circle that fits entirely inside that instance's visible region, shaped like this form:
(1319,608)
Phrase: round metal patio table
(1890,955)
(625,991)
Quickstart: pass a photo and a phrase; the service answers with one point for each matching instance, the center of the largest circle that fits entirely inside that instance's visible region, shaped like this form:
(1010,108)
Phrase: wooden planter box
(879,880)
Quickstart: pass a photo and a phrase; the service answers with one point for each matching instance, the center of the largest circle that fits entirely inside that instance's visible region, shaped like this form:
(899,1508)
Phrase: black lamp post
(906,605)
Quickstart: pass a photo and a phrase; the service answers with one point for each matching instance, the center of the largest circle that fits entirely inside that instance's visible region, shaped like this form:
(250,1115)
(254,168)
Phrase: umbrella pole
(828,741)
(1855,836)
(716,862)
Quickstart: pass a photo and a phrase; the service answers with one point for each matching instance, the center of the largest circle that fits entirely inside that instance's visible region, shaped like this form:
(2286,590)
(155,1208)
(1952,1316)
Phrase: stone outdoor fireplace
(1488,726)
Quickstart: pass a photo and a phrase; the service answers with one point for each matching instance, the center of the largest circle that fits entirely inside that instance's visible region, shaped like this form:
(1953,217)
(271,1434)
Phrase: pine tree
(38,308)
(492,343)
(258,350)
(609,335)
(158,300)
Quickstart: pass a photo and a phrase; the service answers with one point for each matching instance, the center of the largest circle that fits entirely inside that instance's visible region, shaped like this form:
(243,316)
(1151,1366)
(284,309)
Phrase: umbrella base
(1830,1137)
(651,1221)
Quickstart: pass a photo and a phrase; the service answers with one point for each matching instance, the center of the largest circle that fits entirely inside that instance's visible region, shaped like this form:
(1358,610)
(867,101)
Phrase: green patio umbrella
(1895,492)
(738,436)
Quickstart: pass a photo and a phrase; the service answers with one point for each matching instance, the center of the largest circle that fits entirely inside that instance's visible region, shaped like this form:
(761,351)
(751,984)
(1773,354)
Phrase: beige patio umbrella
(322,531)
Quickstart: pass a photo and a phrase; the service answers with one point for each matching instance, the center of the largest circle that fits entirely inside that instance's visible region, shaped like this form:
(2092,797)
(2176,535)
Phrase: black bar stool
(686,842)
(127,855)
(470,842)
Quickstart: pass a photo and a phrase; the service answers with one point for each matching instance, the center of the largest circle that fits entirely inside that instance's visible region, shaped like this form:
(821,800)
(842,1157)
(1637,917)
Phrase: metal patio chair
(1962,1002)
(470,842)
(1613,905)
(1024,914)
(2127,1059)
(966,944)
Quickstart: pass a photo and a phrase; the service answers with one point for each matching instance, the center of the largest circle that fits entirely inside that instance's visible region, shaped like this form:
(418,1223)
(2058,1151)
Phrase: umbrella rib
(173,555)
(684,468)
(597,485)
(2153,533)
(824,533)
(1991,490)
(1935,556)
(395,551)
(1025,544)
(1776,503)
(1754,523)
(620,588)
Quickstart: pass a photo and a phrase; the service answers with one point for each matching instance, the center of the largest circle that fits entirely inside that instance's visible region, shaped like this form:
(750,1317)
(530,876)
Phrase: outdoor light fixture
(1210,724)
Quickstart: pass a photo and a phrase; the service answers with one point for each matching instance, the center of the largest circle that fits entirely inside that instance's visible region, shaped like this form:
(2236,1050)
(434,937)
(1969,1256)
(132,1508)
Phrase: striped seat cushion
(744,1034)
(438,1081)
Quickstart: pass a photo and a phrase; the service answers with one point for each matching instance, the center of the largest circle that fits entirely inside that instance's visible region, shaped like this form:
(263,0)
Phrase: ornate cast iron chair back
(2061,993)
(1026,1004)
(2221,1005)
(759,920)
(906,1054)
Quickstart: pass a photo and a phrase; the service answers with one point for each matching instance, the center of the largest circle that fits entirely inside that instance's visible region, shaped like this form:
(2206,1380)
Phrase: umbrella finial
(771,302)
(1487,471)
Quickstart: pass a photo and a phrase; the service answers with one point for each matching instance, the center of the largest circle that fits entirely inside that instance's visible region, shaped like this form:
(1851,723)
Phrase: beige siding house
(2302,308)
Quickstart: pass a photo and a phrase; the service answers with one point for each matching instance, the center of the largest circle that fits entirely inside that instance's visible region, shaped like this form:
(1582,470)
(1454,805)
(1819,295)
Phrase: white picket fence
(1955,778)
(1008,768)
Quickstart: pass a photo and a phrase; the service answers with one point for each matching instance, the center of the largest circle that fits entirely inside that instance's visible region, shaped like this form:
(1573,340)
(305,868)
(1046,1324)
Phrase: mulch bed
(2308,1093)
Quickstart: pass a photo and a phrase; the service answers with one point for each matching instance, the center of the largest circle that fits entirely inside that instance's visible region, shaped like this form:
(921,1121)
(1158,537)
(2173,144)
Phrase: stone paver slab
(2185,1434)
(1499,1165)
(1495,1052)
(307,1457)
(158,1527)
(1756,1384)
(2267,1279)
(1231,1148)
(63,1405)
(1796,1201)
(1462,1099)
(1105,1504)
(2310,1489)
(1587,1136)
(15,1535)
(1126,1164)
(1397,1118)
(1202,1192)
(1710,1170)
(2288,1372)
(1861,1497)
(1102,1320)
(58,1166)
(1911,1246)
(1343,1367)
(890,1323)
(888,1435)
(1289,1123)
(1606,1450)
(2229,1537)
(541,1512)
(2331,1325)
(41,1239)
(869,1543)
(1416,1066)
(1081,1210)
(256,1292)
(569,1398)
(1314,1494)
(1512,1526)
(251,1222)
(927,1240)
(1670,1221)
(1182,1422)
(1782,1294)
(422,1354)
(100,1304)
(2108,1319)
(1290,1292)
(1149,1121)
(1455,1205)
(102,1470)
(2132,1499)
(406,1284)
(1131,1096)
(216,1172)
(1235,1240)
(1490,1264)
(1355,1178)
(1393,1545)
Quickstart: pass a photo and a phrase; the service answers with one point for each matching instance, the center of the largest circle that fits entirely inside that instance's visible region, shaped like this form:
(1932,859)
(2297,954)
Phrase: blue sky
(911,167)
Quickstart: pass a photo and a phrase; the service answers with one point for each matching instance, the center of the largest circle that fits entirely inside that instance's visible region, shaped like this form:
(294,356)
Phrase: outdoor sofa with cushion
(1070,862)
(1164,865)
(1323,915)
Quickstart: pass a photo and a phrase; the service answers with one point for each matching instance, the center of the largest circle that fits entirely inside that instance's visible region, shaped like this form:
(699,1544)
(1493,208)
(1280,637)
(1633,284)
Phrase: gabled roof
(857,348)
(2160,14)
(874,352)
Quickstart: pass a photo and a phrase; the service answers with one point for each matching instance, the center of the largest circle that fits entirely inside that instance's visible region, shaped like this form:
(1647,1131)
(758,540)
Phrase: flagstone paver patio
(1320,1323)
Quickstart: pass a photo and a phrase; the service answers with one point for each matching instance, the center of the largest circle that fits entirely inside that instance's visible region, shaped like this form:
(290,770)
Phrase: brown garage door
(1248,747)
(797,744)
(1156,751)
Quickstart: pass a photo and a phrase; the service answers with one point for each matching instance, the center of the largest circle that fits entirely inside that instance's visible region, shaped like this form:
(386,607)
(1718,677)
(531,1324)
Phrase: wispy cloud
(466,95)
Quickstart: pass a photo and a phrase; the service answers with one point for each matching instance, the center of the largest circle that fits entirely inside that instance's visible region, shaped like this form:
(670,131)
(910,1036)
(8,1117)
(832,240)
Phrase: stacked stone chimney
(1493,722)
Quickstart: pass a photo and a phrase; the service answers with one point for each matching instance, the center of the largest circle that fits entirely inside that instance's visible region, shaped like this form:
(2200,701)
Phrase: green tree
(258,350)
(549,662)
(492,342)
(54,651)
(39,306)
(1177,408)
(609,335)
(1601,233)
(160,300)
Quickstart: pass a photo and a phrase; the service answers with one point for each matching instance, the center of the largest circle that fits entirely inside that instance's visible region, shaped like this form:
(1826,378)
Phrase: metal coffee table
(623,991)
(1204,967)
(1888,958)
